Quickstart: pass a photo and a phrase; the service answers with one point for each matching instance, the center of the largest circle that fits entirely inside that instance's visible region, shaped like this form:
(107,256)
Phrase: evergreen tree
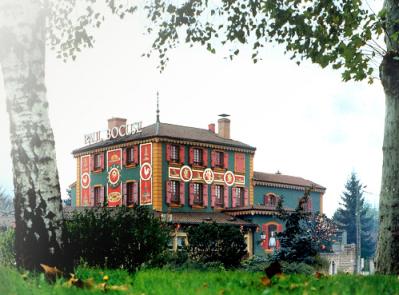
(345,216)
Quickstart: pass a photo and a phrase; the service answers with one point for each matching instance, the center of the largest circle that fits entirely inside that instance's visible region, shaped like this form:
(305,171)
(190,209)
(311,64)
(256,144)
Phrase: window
(130,155)
(219,160)
(271,200)
(239,197)
(130,193)
(198,156)
(219,194)
(97,161)
(269,236)
(175,192)
(198,194)
(97,196)
(174,153)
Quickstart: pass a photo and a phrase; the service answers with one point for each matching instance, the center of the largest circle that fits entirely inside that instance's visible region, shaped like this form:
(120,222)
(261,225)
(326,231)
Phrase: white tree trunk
(38,207)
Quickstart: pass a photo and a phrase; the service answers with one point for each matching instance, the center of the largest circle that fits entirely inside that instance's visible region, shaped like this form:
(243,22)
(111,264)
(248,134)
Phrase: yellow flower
(106,278)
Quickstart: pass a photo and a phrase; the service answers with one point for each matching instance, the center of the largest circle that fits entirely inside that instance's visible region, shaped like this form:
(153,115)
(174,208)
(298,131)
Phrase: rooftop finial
(158,107)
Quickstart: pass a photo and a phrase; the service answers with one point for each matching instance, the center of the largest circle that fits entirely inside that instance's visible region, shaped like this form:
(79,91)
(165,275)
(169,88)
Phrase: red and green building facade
(188,176)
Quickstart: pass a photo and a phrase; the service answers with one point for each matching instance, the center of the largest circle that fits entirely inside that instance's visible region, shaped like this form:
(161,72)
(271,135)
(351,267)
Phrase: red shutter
(243,163)
(102,161)
(309,204)
(168,148)
(213,159)
(101,199)
(226,160)
(191,191)
(136,193)
(246,196)
(124,194)
(213,195)
(136,154)
(182,193)
(181,154)
(168,192)
(91,163)
(91,202)
(265,231)
(205,194)
(279,230)
(124,157)
(266,200)
(205,157)
(239,162)
(191,156)
(234,197)
(226,196)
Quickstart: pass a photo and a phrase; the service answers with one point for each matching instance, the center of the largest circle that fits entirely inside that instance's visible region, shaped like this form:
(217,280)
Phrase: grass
(155,281)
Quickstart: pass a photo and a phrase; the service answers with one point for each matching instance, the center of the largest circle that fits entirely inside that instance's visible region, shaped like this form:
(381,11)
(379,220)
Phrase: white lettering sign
(123,130)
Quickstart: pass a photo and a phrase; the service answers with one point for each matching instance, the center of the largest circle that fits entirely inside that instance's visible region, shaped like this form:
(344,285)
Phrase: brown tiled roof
(170,131)
(285,181)
(200,217)
(182,217)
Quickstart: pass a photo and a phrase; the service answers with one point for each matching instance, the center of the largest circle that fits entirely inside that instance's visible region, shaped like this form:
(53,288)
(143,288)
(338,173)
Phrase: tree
(346,215)
(212,242)
(38,209)
(117,237)
(6,205)
(305,234)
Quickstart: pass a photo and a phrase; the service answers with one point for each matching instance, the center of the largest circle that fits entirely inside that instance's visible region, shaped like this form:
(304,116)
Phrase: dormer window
(271,200)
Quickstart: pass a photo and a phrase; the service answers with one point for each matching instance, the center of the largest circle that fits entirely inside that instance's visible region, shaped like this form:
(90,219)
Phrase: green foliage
(256,263)
(346,217)
(157,281)
(7,247)
(117,237)
(212,242)
(305,234)
(336,33)
(297,268)
(6,203)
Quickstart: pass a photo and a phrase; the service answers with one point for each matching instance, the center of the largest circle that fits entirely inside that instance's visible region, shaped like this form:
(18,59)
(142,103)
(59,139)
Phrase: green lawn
(198,282)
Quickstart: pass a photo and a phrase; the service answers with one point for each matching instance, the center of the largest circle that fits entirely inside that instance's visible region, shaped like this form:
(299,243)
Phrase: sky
(303,120)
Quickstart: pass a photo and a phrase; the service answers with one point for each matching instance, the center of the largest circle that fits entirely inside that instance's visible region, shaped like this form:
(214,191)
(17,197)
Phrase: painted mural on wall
(85,180)
(114,186)
(146,174)
(209,176)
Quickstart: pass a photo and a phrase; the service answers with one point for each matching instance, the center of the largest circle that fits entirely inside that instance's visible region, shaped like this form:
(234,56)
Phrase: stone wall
(343,260)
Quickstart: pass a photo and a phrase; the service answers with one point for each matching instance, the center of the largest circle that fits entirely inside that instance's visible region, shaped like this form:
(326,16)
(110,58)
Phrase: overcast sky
(302,119)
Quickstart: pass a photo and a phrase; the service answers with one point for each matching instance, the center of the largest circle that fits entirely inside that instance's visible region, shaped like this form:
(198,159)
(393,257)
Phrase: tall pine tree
(345,216)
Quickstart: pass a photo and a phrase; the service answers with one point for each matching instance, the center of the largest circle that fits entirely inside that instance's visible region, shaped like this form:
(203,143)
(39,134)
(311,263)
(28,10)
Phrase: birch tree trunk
(38,207)
(388,237)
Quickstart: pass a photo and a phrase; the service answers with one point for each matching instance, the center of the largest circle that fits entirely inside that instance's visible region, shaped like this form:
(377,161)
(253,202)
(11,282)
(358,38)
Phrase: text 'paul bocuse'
(121,131)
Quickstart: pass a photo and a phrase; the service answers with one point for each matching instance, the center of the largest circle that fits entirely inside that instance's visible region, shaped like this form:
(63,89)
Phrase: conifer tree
(345,216)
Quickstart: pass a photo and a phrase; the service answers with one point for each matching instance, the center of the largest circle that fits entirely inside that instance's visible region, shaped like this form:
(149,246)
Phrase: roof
(285,181)
(169,131)
(255,209)
(181,217)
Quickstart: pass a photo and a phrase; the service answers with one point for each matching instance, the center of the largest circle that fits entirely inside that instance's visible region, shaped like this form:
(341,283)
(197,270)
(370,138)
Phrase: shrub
(211,242)
(256,263)
(7,247)
(117,237)
(297,268)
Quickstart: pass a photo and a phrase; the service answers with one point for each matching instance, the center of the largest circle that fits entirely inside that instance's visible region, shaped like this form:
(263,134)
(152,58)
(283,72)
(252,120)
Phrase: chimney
(211,127)
(224,128)
(116,122)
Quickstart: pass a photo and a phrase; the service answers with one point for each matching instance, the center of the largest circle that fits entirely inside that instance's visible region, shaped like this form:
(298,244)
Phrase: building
(188,176)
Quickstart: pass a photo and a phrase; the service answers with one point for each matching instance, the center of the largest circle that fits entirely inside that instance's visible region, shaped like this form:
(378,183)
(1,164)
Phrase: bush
(211,242)
(117,237)
(297,268)
(256,263)
(7,247)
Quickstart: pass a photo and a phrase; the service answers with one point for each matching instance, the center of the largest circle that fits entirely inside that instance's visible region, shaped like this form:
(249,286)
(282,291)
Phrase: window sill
(175,164)
(218,169)
(174,205)
(198,166)
(132,165)
(98,170)
(196,206)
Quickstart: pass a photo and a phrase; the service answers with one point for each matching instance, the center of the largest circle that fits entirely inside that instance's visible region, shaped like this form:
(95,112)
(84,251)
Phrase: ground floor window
(269,236)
